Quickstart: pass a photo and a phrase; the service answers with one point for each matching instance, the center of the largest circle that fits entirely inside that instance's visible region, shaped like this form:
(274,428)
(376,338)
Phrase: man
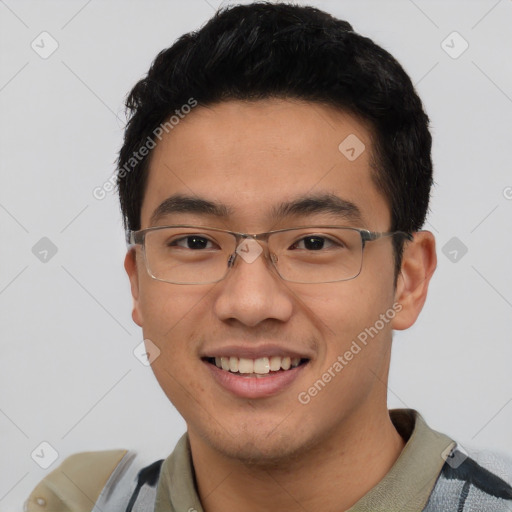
(274,179)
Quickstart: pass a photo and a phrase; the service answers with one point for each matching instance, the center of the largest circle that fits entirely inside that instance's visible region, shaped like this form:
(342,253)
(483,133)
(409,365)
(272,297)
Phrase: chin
(259,445)
(259,453)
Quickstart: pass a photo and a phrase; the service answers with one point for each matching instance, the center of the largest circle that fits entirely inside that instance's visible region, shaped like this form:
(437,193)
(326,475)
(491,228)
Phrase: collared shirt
(407,486)
(430,475)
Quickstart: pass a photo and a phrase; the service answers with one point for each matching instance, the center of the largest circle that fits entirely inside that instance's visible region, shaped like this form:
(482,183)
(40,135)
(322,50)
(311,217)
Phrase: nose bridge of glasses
(250,246)
(249,249)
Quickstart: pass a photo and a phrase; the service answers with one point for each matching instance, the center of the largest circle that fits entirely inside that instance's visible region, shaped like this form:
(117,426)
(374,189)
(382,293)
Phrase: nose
(252,292)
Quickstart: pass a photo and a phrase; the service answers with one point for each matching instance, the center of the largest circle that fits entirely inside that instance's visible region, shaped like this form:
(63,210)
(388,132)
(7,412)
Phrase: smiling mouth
(260,367)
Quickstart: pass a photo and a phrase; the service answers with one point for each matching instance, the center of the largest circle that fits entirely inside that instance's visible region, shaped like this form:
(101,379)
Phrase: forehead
(254,156)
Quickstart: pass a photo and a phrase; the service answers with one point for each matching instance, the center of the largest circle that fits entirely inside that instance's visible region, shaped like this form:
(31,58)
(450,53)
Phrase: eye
(194,242)
(314,243)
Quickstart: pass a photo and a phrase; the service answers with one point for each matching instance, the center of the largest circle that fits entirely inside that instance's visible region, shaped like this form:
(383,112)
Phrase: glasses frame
(135,238)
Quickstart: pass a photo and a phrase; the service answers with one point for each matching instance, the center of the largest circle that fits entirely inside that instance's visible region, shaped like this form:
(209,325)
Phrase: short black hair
(266,50)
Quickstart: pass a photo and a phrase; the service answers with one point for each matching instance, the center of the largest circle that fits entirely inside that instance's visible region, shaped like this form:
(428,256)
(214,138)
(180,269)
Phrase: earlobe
(130,265)
(419,262)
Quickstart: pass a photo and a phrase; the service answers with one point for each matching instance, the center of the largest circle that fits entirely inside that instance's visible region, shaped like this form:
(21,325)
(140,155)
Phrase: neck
(331,476)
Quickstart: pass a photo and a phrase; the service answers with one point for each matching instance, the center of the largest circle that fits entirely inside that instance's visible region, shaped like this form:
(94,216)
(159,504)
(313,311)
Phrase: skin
(274,452)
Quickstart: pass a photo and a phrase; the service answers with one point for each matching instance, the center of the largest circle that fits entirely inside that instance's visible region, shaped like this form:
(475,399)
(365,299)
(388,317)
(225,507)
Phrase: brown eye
(193,242)
(313,243)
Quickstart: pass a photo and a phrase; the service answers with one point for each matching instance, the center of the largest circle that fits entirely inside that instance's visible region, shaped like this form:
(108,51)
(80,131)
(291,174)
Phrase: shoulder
(77,483)
(476,480)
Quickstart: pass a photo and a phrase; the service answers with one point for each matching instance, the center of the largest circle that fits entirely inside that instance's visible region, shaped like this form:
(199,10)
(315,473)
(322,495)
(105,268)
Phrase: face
(250,158)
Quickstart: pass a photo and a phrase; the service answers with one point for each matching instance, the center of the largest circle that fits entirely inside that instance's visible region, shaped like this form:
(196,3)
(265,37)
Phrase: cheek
(356,344)
(171,320)
(167,307)
(349,311)
(165,319)
(172,316)
(339,309)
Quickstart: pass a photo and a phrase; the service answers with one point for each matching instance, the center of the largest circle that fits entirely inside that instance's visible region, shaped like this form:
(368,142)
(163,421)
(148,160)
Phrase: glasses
(199,255)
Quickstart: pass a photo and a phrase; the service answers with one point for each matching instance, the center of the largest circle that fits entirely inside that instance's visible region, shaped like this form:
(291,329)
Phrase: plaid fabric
(466,486)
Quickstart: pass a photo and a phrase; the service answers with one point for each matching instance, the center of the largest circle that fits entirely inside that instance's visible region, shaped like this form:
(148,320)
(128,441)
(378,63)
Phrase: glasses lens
(317,255)
(184,255)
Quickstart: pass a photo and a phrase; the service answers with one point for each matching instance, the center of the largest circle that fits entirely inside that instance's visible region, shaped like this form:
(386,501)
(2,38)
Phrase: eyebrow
(302,206)
(324,203)
(179,203)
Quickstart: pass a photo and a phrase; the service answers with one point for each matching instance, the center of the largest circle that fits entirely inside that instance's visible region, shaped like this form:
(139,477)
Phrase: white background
(68,375)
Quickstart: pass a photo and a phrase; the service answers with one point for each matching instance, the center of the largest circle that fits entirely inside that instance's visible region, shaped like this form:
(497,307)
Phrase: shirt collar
(409,482)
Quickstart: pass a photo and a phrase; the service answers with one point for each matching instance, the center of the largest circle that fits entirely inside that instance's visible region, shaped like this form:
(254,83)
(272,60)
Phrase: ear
(419,262)
(130,265)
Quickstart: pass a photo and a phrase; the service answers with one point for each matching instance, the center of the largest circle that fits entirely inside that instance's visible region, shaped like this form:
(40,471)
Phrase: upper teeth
(261,365)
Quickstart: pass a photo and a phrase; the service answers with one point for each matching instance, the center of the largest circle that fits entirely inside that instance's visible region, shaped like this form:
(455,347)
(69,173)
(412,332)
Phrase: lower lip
(255,387)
